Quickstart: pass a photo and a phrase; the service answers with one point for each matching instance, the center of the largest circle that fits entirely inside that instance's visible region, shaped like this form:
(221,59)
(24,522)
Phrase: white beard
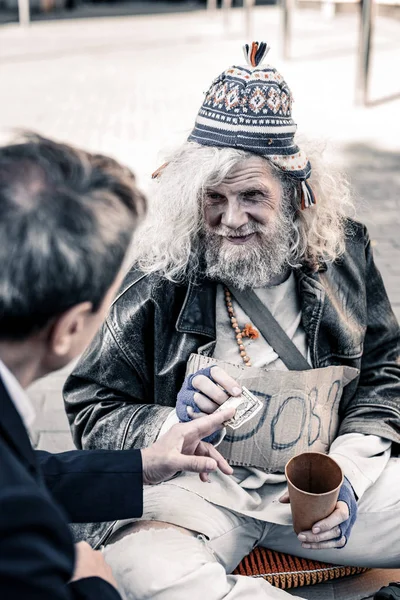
(254,264)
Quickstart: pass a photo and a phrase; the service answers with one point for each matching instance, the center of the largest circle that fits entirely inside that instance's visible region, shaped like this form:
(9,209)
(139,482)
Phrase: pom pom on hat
(255,53)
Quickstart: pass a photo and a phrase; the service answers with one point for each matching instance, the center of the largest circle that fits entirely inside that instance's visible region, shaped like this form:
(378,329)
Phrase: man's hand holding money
(211,389)
(203,393)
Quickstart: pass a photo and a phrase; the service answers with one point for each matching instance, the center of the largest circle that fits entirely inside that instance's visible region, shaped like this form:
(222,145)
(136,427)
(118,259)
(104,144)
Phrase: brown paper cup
(314,481)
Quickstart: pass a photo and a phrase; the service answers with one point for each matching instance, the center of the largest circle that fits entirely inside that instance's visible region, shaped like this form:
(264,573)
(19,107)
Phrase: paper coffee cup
(314,480)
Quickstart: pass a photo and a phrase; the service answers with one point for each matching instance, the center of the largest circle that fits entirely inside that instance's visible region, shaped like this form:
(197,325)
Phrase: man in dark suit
(66,220)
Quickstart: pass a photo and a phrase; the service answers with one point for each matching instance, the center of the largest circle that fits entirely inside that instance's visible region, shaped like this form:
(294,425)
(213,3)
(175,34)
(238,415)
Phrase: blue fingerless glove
(186,398)
(347,495)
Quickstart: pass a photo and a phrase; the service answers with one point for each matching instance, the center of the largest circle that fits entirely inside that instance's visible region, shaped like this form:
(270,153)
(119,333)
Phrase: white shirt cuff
(169,422)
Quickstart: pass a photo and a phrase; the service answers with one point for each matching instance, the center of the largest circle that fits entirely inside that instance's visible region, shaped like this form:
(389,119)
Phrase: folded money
(247,406)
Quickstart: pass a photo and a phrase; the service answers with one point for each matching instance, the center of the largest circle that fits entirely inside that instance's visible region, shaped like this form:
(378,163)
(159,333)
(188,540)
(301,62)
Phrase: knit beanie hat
(250,108)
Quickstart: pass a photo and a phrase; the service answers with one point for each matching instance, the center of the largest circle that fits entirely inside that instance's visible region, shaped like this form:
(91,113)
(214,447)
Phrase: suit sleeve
(37,554)
(95,485)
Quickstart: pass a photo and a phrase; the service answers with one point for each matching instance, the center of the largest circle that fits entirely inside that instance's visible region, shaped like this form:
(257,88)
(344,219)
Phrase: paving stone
(52,420)
(34,436)
(55,441)
(36,396)
(53,398)
(51,382)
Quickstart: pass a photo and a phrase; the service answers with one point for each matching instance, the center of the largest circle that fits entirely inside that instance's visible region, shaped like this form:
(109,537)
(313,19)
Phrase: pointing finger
(206,426)
(196,464)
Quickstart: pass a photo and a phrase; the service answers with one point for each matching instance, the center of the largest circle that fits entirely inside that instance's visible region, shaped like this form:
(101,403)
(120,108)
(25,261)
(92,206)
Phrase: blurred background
(127,79)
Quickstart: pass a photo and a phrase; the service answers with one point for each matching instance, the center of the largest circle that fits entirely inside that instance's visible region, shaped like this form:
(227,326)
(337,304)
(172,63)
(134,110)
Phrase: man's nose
(234,216)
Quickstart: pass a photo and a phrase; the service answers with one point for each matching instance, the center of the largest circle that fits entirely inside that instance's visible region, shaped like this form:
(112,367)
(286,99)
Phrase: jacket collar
(198,310)
(13,430)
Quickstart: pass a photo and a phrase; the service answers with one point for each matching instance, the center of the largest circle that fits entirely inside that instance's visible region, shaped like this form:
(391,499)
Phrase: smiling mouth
(238,240)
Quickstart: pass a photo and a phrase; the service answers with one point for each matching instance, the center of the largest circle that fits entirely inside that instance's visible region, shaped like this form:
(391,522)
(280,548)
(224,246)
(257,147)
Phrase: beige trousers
(168,564)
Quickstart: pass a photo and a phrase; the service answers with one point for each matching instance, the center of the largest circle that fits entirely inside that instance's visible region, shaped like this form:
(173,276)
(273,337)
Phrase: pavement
(130,86)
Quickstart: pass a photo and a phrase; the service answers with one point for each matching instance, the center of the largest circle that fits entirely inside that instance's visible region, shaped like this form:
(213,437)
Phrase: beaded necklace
(247,331)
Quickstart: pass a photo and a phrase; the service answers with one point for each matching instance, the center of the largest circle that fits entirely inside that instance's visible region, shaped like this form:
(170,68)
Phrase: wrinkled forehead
(248,173)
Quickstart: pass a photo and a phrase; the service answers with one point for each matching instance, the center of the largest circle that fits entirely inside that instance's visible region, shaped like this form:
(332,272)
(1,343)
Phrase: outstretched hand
(182,449)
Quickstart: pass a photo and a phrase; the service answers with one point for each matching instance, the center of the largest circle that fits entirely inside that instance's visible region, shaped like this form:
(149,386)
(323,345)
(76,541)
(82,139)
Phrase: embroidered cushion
(286,571)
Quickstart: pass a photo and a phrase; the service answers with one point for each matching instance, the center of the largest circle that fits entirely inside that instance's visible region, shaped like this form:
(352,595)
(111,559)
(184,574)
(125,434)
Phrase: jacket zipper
(316,330)
(105,537)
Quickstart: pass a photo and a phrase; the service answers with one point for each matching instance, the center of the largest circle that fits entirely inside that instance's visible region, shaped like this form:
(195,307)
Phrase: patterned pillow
(286,571)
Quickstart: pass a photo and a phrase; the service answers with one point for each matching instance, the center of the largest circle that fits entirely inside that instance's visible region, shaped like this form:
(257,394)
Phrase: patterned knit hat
(250,108)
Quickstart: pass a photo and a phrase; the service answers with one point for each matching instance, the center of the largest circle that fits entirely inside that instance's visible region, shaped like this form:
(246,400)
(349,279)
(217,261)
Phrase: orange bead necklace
(248,330)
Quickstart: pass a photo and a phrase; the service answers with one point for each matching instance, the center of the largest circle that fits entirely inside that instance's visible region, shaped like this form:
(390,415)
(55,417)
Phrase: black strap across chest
(271,330)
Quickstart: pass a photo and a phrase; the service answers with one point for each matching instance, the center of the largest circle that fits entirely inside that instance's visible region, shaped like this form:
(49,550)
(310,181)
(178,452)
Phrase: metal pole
(328,9)
(23,12)
(248,6)
(364,51)
(226,9)
(286,27)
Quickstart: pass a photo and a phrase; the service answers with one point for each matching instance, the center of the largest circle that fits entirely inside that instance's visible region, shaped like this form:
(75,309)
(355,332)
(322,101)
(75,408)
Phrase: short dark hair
(66,221)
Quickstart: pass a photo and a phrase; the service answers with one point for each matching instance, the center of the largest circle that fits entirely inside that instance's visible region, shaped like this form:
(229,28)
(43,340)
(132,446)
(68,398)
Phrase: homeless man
(242,218)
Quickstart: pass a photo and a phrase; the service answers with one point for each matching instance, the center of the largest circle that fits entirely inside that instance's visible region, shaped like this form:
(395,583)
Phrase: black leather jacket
(121,391)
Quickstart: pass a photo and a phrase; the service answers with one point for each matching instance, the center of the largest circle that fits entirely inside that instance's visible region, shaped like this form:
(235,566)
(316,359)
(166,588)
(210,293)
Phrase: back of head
(66,221)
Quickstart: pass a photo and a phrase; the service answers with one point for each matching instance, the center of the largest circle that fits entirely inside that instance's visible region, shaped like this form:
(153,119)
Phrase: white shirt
(18,396)
(284,304)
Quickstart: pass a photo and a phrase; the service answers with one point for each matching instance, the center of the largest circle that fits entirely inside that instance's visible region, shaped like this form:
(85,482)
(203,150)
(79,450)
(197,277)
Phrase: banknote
(247,406)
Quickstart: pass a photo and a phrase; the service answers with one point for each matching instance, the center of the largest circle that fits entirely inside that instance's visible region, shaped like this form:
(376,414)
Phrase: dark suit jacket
(39,493)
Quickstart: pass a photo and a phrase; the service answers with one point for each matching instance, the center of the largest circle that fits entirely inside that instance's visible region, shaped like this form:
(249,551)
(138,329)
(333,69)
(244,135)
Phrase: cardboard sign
(299,413)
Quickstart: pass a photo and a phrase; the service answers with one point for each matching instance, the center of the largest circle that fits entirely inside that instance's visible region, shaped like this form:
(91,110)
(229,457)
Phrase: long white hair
(168,240)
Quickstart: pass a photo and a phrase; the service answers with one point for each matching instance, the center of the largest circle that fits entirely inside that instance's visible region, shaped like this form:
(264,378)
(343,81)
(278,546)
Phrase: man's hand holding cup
(330,494)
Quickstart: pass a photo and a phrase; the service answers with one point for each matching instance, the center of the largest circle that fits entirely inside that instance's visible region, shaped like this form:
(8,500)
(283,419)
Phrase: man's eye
(251,198)
(251,195)
(214,196)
